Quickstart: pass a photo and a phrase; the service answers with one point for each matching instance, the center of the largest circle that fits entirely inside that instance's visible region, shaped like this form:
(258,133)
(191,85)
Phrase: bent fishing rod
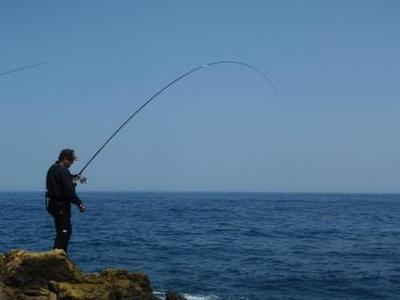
(269,81)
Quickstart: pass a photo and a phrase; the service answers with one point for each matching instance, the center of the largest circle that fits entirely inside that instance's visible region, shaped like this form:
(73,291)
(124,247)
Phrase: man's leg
(63,230)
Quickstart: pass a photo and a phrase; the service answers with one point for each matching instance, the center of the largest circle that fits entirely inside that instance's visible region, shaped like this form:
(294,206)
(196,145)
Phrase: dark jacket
(60,190)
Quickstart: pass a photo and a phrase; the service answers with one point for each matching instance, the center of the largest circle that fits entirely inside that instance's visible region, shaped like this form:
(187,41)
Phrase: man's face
(67,162)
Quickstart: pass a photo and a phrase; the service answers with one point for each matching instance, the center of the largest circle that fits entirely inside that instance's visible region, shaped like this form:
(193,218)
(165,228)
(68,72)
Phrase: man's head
(67,157)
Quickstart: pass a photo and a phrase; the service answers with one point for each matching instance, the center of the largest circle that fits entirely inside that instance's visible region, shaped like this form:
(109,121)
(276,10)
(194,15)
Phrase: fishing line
(269,81)
(23,68)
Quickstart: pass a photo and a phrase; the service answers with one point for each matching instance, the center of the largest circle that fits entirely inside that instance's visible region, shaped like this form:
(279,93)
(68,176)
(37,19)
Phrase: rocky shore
(52,276)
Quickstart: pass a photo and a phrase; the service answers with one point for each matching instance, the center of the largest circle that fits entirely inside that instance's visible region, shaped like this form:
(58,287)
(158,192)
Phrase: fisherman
(61,184)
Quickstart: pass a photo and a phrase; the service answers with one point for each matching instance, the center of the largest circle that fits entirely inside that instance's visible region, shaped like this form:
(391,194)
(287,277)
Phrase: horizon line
(208,191)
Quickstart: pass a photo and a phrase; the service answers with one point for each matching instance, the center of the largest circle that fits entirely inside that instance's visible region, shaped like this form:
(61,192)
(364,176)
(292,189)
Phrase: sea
(227,246)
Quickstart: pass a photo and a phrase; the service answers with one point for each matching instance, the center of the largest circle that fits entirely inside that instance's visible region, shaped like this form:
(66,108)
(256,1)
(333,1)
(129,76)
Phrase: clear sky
(336,64)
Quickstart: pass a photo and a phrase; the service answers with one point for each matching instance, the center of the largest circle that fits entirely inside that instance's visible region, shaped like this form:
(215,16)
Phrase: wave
(191,297)
(199,297)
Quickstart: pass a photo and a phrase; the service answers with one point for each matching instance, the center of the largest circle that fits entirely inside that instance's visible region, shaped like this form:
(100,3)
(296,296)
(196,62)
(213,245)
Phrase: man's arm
(69,188)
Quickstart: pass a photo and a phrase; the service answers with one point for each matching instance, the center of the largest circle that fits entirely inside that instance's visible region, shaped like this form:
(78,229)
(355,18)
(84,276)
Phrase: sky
(336,65)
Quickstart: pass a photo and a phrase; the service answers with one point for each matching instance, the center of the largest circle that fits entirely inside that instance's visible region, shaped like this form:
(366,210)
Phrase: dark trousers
(63,231)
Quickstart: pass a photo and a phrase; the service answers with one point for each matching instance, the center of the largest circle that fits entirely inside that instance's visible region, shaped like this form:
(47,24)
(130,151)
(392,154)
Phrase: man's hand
(82,208)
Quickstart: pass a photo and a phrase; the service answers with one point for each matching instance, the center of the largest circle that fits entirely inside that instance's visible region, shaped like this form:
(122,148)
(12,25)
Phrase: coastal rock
(171,295)
(52,276)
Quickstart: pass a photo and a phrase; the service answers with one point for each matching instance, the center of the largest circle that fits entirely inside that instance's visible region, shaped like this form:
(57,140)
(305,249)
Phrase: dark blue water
(229,245)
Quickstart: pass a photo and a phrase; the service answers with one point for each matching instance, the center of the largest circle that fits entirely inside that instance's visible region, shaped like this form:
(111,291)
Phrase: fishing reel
(79,178)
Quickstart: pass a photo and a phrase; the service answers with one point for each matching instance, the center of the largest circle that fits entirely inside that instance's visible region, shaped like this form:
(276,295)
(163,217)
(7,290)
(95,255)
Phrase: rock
(27,269)
(171,295)
(52,276)
(5,293)
(2,259)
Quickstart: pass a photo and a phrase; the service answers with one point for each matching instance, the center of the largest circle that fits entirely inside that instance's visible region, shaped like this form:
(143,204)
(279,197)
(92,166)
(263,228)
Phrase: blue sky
(336,64)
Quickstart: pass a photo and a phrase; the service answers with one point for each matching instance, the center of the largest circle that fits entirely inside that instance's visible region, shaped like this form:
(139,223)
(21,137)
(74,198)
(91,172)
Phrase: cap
(68,154)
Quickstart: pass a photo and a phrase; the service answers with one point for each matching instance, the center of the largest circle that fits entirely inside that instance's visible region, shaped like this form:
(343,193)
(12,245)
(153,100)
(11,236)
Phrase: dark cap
(68,154)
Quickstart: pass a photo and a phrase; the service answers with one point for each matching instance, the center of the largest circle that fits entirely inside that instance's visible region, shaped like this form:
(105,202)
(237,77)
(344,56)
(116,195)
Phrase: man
(60,184)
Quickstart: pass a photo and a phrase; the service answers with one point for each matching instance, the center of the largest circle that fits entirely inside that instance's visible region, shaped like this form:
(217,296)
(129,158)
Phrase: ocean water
(232,246)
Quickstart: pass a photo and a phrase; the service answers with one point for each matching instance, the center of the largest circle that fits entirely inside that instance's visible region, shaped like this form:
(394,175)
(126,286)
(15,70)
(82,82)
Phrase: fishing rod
(269,81)
(23,68)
